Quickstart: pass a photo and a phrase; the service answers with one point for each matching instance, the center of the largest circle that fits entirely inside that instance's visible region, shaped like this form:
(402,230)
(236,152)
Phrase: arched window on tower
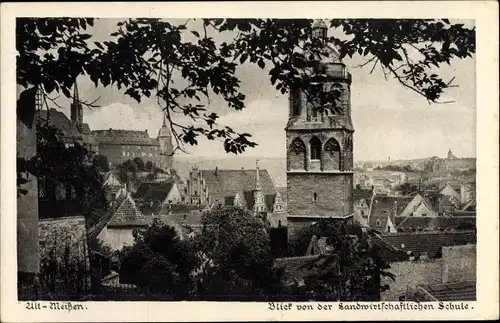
(315,148)
(332,159)
(297,155)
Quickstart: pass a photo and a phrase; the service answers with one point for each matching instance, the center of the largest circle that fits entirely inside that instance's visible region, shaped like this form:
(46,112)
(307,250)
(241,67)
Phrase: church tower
(319,141)
(76,109)
(166,148)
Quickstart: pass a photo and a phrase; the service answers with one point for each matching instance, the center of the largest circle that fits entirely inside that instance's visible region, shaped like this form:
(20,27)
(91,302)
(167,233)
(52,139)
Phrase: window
(378,222)
(315,148)
(362,212)
(123,153)
(315,197)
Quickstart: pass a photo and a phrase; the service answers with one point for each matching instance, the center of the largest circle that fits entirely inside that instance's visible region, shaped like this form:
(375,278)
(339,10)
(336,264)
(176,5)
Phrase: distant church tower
(320,144)
(76,109)
(165,140)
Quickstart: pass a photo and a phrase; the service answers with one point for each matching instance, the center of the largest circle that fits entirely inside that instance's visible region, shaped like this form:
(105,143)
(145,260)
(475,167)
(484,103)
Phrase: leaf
(243,58)
(197,34)
(261,64)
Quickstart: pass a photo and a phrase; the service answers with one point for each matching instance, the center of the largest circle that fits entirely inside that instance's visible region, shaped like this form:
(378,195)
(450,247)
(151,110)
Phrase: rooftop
(222,183)
(124,137)
(459,291)
(428,242)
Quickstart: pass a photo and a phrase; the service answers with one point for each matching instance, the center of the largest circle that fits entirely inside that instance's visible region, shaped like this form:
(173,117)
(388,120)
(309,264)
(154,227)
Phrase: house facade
(252,190)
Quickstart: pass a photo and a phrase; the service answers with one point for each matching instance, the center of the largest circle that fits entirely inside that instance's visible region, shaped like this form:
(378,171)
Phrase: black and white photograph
(246,159)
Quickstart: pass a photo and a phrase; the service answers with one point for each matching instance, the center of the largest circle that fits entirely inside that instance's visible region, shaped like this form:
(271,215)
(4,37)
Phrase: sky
(389,120)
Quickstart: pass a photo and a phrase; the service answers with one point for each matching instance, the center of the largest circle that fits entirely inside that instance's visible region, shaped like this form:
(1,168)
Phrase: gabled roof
(424,223)
(112,174)
(127,214)
(384,206)
(229,182)
(153,191)
(458,291)
(429,242)
(61,121)
(101,224)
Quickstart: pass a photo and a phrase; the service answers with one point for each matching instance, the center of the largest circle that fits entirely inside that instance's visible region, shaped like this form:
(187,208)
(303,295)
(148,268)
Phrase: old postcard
(249,161)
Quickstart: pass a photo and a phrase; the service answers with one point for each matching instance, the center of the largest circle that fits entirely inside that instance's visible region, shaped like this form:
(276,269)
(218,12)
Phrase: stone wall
(459,263)
(333,194)
(28,257)
(410,274)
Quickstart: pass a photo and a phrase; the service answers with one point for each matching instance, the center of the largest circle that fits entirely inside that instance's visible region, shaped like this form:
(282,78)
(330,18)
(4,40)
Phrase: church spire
(257,176)
(76,107)
(76,96)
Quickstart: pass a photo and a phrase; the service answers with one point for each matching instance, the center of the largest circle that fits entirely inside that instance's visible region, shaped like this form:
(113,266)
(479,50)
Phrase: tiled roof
(459,291)
(229,182)
(429,242)
(187,219)
(124,137)
(359,193)
(388,252)
(111,173)
(296,268)
(127,214)
(179,209)
(153,191)
(283,192)
(61,121)
(409,223)
(383,206)
(103,222)
(147,209)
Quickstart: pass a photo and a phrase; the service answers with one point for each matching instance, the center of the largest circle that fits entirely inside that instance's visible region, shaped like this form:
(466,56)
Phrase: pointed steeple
(257,176)
(76,107)
(76,96)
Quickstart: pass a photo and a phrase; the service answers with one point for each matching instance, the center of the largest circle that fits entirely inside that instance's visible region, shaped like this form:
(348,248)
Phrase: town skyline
(412,124)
